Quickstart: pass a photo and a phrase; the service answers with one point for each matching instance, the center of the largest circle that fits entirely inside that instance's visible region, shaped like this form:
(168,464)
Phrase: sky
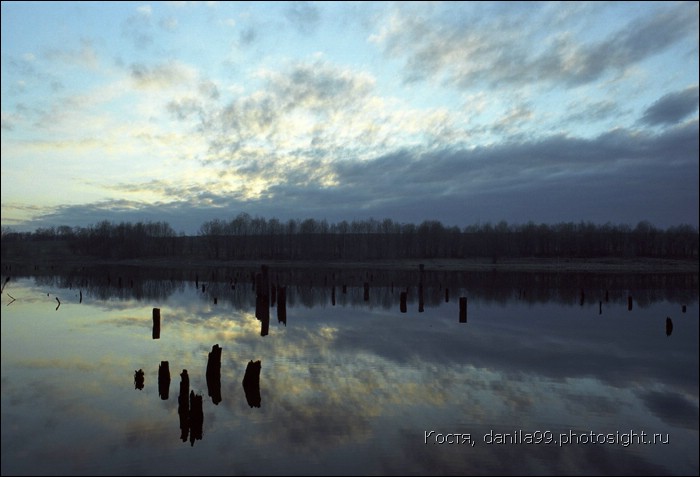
(462,112)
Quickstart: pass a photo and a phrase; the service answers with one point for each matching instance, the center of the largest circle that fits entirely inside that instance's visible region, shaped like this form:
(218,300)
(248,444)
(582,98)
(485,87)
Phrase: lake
(550,374)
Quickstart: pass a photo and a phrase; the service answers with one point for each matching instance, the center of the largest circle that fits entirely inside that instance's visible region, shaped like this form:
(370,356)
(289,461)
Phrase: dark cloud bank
(620,177)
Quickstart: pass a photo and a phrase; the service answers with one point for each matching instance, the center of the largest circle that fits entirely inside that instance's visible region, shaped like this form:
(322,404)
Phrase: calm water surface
(355,387)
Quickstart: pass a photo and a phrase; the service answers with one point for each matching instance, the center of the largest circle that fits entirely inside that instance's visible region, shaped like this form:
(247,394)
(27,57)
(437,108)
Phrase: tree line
(247,237)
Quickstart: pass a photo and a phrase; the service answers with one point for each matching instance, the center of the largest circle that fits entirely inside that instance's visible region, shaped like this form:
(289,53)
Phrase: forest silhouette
(245,237)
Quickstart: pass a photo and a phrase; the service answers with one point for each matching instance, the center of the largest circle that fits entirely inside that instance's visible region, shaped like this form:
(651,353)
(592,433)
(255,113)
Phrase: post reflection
(196,417)
(306,286)
(251,383)
(214,374)
(310,394)
(164,380)
(183,405)
(139,379)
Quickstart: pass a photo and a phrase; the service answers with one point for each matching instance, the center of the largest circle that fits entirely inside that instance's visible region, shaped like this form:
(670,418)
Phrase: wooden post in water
(683,309)
(600,307)
(463,309)
(669,326)
(156,323)
(265,285)
(262,302)
(629,303)
(421,299)
(258,296)
(282,305)
(447,295)
(421,277)
(403,302)
(333,295)
(366,291)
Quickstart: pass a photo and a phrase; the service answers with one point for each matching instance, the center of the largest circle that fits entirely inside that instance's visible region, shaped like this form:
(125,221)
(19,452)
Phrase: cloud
(144,10)
(161,75)
(298,122)
(169,24)
(510,49)
(85,56)
(138,27)
(326,139)
(673,408)
(31,74)
(672,107)
(247,36)
(304,16)
(619,177)
(8,121)
(640,39)
(589,112)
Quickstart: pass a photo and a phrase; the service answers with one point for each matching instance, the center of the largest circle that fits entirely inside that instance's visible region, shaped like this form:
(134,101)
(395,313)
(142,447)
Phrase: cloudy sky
(460,112)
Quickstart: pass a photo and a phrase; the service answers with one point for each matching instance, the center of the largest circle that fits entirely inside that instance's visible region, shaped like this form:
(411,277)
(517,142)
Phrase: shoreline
(564,265)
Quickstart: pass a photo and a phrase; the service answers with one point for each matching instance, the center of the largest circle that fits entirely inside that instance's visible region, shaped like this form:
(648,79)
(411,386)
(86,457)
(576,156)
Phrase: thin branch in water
(59,303)
(13,299)
(4,283)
